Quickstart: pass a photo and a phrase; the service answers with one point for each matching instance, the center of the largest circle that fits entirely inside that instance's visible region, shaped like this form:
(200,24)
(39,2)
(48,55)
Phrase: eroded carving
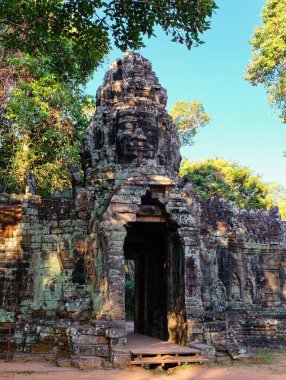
(137,135)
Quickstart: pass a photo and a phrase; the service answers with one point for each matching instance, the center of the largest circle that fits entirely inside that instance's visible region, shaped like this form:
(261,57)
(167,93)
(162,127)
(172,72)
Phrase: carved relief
(137,135)
(248,289)
(235,288)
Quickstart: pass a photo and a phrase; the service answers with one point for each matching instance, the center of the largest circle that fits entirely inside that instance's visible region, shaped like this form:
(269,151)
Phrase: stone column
(116,275)
(193,274)
(116,217)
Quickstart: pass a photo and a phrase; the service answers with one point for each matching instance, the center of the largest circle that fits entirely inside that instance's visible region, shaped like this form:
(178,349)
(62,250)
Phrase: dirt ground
(275,369)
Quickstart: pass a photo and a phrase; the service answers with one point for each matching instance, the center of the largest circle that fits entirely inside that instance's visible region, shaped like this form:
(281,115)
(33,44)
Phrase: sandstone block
(63,362)
(120,358)
(115,332)
(87,362)
(207,351)
(91,339)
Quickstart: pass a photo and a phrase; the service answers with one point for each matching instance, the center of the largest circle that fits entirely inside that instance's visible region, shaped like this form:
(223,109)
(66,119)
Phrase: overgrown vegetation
(268,64)
(129,268)
(189,116)
(235,183)
(42,123)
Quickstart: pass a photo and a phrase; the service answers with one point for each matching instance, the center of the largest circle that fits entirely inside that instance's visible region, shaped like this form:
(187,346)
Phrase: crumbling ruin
(206,271)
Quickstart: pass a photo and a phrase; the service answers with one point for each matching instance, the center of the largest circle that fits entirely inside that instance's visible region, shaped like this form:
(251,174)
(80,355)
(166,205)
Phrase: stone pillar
(193,280)
(116,275)
(193,274)
(116,217)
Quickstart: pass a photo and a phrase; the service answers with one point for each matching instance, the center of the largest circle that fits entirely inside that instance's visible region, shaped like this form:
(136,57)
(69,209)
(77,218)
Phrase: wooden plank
(159,350)
(167,361)
(148,350)
(141,344)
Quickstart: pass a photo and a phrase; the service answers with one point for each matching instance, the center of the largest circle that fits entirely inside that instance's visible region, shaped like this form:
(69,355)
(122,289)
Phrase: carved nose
(139,134)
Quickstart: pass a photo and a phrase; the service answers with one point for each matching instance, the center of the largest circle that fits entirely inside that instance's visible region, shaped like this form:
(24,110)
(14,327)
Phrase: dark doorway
(159,280)
(146,244)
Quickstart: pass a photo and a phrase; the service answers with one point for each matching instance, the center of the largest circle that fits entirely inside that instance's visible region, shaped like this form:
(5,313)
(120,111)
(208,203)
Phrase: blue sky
(244,127)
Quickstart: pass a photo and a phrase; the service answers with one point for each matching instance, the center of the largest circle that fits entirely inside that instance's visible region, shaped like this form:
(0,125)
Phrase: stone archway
(137,221)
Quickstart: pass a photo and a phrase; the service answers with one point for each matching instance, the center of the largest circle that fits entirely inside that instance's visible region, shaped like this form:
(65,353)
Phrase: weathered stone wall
(243,263)
(14,257)
(249,249)
(48,271)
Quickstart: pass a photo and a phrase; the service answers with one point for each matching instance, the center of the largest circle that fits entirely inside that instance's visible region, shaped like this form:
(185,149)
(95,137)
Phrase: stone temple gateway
(205,271)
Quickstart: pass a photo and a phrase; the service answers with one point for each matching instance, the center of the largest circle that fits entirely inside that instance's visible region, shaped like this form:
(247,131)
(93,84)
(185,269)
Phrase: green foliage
(129,289)
(76,35)
(268,64)
(43,121)
(189,116)
(62,31)
(25,372)
(277,196)
(235,183)
(268,357)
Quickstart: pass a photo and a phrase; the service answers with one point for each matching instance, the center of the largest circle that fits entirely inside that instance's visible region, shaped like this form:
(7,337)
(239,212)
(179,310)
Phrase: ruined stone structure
(205,270)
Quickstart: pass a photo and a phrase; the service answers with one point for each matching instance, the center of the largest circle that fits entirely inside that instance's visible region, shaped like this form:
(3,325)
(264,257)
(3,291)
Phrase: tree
(42,123)
(188,117)
(76,35)
(277,196)
(268,64)
(235,183)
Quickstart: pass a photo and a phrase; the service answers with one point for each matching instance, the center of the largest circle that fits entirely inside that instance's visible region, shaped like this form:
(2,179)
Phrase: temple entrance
(153,250)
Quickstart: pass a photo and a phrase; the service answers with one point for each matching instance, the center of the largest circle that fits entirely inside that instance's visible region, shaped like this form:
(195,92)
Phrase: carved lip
(139,147)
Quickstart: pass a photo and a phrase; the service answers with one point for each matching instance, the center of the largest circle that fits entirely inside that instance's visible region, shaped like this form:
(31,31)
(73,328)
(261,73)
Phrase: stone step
(207,351)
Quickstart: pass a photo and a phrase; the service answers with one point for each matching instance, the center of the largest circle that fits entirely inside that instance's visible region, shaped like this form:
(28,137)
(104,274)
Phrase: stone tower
(132,133)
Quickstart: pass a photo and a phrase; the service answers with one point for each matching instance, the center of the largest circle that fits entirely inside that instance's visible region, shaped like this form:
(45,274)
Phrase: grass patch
(24,372)
(257,358)
(266,356)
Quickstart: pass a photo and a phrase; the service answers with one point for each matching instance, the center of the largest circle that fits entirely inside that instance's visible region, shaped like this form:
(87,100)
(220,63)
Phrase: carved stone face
(137,136)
